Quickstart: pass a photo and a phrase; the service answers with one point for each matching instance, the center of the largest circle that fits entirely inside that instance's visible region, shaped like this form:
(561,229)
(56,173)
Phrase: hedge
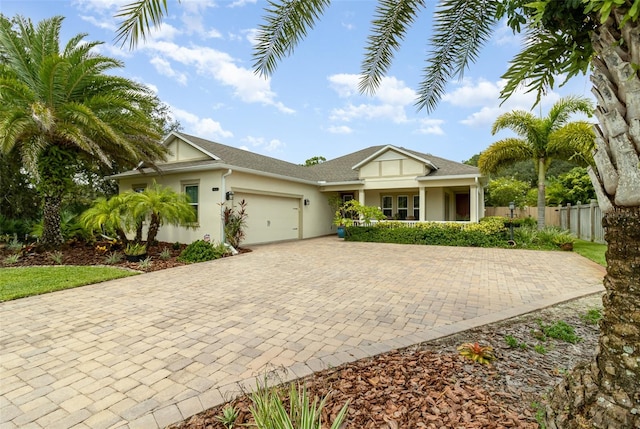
(489,233)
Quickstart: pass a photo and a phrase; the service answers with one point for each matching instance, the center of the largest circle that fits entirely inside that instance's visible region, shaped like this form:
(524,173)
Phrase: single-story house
(286,201)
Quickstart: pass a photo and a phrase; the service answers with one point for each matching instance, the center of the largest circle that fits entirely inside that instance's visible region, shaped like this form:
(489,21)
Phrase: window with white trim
(403,207)
(387,206)
(191,190)
(416,207)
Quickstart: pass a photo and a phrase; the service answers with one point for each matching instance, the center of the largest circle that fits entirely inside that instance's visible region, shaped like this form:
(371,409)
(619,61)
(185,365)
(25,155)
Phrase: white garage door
(270,218)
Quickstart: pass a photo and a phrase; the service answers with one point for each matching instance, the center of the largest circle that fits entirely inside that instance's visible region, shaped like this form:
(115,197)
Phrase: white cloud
(100,23)
(485,95)
(251,35)
(340,129)
(193,15)
(165,32)
(370,111)
(345,85)
(102,5)
(389,101)
(213,34)
(205,127)
(240,3)
(430,126)
(260,142)
(247,86)
(163,67)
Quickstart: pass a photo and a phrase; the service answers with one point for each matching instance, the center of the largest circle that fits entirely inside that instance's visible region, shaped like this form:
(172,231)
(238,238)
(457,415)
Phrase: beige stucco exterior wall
(209,214)
(315,219)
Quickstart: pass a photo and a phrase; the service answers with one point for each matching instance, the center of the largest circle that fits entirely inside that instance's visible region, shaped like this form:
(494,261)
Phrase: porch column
(423,204)
(473,203)
(361,196)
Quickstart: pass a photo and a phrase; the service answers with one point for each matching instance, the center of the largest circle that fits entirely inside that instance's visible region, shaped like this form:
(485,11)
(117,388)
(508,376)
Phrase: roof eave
(209,167)
(448,177)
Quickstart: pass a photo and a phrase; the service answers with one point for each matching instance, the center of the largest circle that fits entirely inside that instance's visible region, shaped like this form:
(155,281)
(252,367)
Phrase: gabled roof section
(184,138)
(396,149)
(342,169)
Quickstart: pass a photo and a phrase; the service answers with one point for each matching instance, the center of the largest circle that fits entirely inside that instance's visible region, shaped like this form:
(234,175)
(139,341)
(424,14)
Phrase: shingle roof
(341,169)
(334,170)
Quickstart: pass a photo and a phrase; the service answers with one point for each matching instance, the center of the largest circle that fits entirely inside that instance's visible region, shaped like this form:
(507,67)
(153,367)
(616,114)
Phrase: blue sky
(200,63)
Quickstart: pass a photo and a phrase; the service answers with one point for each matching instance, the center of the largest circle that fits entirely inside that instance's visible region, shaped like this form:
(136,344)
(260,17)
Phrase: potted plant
(135,252)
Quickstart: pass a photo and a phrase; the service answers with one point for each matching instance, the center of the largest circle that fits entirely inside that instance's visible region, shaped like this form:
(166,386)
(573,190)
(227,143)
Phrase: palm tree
(541,140)
(562,38)
(109,215)
(161,205)
(60,111)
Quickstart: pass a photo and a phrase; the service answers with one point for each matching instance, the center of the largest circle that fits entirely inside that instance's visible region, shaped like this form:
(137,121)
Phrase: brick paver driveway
(150,350)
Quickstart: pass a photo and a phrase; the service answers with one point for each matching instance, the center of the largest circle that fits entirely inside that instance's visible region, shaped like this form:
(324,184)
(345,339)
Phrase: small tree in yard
(125,212)
(503,190)
(235,222)
(161,205)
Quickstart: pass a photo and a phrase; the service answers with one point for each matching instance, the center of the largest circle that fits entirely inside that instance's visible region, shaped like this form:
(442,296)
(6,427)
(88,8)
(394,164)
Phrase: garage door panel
(270,218)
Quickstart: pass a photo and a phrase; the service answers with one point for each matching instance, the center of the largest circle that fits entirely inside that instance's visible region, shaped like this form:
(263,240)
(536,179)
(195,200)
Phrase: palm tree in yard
(541,140)
(161,205)
(109,215)
(562,38)
(61,112)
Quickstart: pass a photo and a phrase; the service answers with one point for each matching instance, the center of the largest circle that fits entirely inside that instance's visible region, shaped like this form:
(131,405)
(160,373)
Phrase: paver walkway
(150,350)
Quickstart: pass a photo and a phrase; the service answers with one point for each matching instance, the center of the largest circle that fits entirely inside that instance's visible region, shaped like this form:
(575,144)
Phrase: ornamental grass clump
(269,412)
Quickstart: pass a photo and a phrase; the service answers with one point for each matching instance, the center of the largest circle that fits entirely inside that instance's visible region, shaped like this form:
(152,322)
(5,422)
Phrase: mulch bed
(80,253)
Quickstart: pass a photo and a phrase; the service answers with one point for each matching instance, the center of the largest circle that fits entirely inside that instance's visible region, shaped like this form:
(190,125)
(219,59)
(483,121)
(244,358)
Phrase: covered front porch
(457,202)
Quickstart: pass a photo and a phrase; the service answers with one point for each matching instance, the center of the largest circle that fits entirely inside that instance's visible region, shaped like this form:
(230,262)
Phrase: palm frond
(389,27)
(460,30)
(544,56)
(523,123)
(562,110)
(139,17)
(504,153)
(574,142)
(287,23)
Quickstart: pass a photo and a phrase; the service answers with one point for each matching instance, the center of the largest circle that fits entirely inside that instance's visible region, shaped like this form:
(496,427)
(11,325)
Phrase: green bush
(200,251)
(490,233)
(550,237)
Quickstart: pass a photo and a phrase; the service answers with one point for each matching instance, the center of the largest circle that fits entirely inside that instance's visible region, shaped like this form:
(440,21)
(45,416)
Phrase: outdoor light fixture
(229,195)
(307,202)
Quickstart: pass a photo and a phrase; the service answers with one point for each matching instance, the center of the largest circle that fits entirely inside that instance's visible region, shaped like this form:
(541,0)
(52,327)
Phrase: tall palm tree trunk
(606,393)
(541,192)
(51,231)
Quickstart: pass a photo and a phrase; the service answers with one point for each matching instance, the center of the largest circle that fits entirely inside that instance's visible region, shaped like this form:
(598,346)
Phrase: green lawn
(593,251)
(20,282)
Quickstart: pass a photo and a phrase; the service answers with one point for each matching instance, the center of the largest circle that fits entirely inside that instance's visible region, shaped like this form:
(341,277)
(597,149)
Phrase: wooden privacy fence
(583,220)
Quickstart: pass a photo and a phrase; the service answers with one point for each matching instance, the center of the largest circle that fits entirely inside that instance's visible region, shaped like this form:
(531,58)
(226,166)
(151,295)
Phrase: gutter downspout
(223,195)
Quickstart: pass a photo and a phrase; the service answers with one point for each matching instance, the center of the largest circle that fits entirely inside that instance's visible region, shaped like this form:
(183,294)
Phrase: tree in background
(541,140)
(314,161)
(503,190)
(571,188)
(562,38)
(60,111)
